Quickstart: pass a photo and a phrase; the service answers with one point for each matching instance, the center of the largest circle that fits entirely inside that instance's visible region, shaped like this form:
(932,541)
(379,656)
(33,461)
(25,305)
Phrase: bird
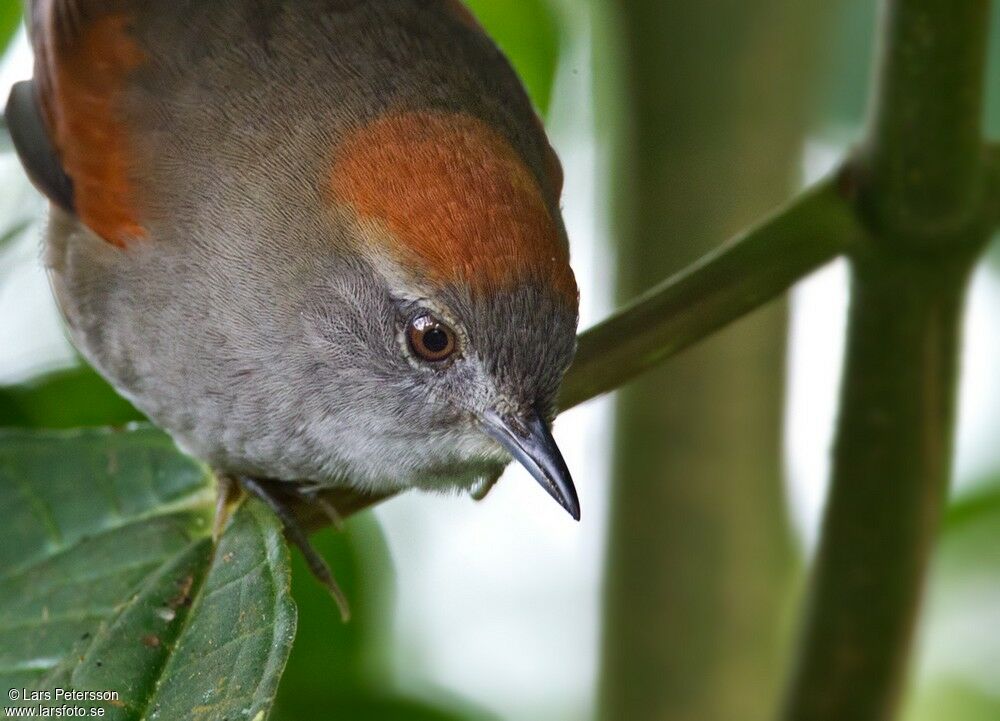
(318,242)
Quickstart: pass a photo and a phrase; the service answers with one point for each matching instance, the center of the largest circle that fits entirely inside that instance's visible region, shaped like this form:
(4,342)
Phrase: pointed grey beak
(530,441)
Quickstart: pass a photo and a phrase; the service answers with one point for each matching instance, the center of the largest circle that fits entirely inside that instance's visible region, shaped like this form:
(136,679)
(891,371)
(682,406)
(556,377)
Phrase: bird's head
(461,259)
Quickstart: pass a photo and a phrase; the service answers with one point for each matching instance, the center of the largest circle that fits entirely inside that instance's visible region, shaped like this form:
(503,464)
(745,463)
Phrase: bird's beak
(530,441)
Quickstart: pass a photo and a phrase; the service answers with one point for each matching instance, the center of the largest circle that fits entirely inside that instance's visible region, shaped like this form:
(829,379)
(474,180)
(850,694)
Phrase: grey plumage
(247,324)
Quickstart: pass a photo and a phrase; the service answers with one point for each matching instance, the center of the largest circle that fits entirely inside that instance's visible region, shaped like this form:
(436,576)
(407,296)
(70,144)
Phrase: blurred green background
(679,124)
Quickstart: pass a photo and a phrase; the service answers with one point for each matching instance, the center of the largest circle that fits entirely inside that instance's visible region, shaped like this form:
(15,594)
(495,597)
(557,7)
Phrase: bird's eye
(430,339)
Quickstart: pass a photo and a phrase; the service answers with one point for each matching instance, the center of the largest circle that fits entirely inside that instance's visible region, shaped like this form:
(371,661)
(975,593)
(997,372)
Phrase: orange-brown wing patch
(84,61)
(459,203)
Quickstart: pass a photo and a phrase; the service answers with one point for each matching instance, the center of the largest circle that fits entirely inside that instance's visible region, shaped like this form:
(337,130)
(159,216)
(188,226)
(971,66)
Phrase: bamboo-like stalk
(922,181)
(700,558)
(922,166)
(891,467)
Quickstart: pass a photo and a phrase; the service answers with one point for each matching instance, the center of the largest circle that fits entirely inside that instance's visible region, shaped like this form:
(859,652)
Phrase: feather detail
(85,55)
(456,200)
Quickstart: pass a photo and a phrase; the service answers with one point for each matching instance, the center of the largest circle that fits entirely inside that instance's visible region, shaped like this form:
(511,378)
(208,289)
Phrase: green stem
(923,168)
(890,478)
(724,286)
(923,184)
(710,117)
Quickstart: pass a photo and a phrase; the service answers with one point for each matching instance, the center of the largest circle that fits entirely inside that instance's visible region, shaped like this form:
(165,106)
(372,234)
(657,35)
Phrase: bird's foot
(281,499)
(313,496)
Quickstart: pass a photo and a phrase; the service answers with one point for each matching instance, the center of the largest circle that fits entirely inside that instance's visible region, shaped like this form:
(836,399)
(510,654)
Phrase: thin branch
(890,478)
(726,285)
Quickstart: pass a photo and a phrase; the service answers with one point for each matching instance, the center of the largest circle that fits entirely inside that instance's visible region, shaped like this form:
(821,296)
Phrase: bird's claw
(295,534)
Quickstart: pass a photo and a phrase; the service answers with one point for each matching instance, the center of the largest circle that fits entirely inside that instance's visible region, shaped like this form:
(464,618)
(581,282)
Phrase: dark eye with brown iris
(430,339)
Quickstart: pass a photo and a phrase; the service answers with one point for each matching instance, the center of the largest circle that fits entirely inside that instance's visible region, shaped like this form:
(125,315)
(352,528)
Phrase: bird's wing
(31,141)
(67,123)
(71,123)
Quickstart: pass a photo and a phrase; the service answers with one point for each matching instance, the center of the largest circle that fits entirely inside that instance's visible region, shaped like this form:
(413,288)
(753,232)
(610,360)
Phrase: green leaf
(10,21)
(528,32)
(65,399)
(109,581)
